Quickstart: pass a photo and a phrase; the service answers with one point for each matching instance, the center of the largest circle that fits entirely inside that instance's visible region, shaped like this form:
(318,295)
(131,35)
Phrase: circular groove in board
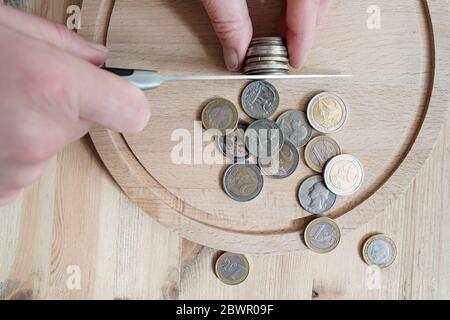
(156,195)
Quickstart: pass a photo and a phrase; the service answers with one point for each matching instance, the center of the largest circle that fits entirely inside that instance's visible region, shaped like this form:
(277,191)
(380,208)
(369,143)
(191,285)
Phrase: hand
(52,93)
(231,21)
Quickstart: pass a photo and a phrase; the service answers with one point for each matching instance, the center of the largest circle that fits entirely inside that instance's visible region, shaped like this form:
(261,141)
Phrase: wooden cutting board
(397,102)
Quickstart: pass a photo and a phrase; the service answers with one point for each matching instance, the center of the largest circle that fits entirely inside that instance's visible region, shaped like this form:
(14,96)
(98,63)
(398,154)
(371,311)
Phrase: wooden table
(75,221)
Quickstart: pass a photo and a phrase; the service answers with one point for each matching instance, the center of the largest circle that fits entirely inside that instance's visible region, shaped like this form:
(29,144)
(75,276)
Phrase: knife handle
(142,79)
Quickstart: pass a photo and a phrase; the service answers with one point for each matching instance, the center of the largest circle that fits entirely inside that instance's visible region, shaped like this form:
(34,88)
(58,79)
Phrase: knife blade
(149,79)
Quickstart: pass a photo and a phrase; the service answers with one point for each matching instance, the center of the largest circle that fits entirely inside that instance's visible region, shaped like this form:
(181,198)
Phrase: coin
(264,66)
(264,139)
(319,150)
(231,268)
(295,127)
(327,112)
(315,197)
(281,48)
(267,39)
(260,100)
(267,55)
(322,235)
(343,175)
(221,115)
(243,182)
(233,144)
(267,59)
(283,164)
(379,250)
(267,72)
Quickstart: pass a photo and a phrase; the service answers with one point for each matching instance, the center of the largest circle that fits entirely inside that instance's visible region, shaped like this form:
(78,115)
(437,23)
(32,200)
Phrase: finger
(110,101)
(233,27)
(54,34)
(8,197)
(301,20)
(14,176)
(67,94)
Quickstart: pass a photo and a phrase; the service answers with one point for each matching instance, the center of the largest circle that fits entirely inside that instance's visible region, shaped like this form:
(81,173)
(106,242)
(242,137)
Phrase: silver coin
(243,182)
(268,59)
(343,175)
(379,250)
(267,72)
(261,53)
(260,100)
(283,164)
(322,235)
(232,269)
(315,197)
(264,139)
(267,39)
(327,112)
(233,144)
(295,127)
(263,68)
(269,48)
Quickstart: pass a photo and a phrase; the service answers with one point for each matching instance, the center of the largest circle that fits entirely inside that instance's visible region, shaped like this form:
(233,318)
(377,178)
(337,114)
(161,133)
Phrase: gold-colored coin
(327,112)
(232,268)
(319,150)
(379,250)
(322,235)
(220,115)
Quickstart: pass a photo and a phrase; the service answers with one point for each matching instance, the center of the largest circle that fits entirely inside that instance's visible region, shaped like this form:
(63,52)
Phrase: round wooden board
(397,101)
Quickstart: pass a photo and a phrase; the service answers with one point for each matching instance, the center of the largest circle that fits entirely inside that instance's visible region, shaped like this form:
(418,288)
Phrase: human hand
(52,93)
(233,26)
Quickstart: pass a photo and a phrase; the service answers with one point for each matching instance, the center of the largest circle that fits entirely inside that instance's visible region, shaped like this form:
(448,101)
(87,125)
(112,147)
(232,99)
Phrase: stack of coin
(267,55)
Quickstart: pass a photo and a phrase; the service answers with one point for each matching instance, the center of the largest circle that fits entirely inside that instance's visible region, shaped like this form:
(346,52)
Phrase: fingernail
(231,59)
(98,46)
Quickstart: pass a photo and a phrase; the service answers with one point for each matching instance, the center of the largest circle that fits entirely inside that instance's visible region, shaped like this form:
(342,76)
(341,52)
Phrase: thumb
(233,27)
(53,34)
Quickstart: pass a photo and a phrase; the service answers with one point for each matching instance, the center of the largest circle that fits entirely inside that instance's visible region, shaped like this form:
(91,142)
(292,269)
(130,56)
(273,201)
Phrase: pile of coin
(343,174)
(267,55)
(273,146)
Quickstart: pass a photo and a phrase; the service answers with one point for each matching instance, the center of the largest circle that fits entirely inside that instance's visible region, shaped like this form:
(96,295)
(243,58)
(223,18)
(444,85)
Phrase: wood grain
(77,215)
(391,133)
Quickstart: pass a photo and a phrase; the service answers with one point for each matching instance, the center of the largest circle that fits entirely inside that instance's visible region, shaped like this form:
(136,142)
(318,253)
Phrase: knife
(148,79)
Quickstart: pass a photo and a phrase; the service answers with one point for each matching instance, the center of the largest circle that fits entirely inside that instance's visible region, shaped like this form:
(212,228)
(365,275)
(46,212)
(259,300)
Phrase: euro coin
(379,250)
(344,175)
(327,112)
(283,164)
(322,235)
(319,150)
(232,269)
(233,144)
(220,115)
(243,182)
